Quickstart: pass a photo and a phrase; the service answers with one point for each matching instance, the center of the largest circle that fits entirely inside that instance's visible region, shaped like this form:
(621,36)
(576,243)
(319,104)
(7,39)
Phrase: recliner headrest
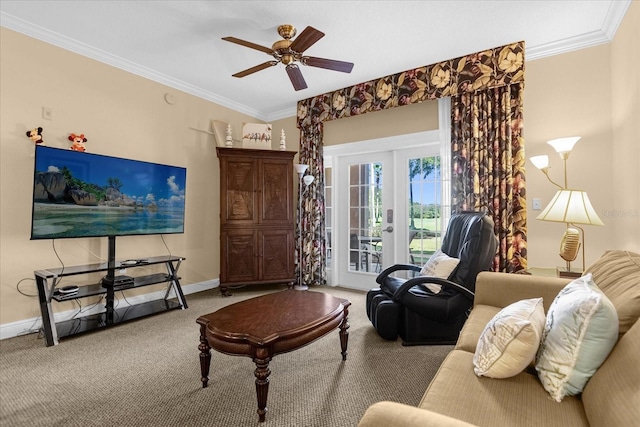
(470,237)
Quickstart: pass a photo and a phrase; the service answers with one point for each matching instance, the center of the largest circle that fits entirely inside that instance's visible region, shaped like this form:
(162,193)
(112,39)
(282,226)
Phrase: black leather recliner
(407,308)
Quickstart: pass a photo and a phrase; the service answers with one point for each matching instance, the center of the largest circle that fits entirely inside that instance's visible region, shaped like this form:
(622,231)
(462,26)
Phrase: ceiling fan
(289,52)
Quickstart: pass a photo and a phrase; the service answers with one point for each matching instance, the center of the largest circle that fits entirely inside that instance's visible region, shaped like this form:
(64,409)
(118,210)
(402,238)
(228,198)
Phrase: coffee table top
(282,321)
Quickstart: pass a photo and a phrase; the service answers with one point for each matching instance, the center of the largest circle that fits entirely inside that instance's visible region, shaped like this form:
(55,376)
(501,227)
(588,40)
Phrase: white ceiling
(178,43)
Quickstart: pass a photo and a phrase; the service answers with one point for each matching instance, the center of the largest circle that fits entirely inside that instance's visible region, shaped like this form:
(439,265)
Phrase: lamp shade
(563,145)
(541,162)
(301,169)
(308,179)
(570,206)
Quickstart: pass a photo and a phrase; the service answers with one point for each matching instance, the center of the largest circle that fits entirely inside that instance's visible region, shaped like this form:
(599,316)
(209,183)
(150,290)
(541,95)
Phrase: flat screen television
(78,194)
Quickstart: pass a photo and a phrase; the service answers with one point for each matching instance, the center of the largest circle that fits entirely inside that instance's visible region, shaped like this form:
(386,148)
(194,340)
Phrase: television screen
(78,194)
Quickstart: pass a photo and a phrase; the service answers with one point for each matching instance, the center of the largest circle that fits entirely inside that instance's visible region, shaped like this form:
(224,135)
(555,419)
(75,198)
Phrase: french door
(384,206)
(365,216)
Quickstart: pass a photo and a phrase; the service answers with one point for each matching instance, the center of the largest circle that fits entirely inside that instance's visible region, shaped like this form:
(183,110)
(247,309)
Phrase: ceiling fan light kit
(289,52)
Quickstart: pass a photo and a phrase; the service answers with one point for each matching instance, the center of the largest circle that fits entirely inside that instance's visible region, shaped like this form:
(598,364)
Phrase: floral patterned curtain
(493,68)
(488,166)
(500,66)
(311,219)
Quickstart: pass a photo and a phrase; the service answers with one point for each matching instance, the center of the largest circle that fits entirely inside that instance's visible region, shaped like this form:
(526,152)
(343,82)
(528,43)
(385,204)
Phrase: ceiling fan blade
(296,77)
(329,64)
(306,39)
(255,69)
(249,44)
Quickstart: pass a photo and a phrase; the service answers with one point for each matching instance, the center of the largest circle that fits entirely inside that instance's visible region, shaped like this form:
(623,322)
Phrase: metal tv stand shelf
(46,281)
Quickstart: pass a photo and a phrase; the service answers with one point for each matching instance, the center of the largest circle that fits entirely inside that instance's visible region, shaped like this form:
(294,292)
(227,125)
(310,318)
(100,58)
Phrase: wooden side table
(542,271)
(552,272)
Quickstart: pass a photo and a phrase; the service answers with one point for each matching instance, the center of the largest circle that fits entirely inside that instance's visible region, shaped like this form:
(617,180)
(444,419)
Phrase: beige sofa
(457,397)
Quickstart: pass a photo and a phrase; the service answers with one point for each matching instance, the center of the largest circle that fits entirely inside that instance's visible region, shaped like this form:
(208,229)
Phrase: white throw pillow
(580,331)
(509,342)
(439,265)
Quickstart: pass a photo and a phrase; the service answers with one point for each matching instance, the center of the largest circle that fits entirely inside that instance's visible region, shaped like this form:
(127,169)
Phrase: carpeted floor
(147,373)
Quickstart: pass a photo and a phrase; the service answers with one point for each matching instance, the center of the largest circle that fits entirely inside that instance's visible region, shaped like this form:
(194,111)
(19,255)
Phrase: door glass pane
(328,187)
(365,217)
(425,202)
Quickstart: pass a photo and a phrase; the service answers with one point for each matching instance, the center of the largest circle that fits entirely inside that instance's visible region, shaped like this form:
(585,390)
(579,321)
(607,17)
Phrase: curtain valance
(490,68)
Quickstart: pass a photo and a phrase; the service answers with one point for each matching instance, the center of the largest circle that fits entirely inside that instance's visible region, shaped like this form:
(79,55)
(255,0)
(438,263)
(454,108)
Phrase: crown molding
(282,114)
(612,20)
(569,44)
(614,17)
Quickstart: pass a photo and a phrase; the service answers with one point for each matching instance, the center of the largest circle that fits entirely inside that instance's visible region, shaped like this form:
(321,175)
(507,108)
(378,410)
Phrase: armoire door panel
(241,263)
(276,187)
(239,180)
(277,255)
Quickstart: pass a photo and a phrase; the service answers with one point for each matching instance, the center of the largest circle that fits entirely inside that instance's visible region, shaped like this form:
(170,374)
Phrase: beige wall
(381,124)
(624,213)
(569,95)
(592,93)
(125,115)
(122,115)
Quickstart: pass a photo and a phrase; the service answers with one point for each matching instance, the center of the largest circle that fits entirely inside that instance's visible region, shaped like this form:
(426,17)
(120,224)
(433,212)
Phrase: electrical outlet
(47,113)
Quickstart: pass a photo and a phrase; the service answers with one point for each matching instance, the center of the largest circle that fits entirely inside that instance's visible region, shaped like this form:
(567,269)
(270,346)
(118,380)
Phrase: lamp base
(569,274)
(301,287)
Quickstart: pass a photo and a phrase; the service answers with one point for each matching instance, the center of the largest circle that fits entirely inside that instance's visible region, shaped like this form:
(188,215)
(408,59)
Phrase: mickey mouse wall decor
(78,142)
(36,135)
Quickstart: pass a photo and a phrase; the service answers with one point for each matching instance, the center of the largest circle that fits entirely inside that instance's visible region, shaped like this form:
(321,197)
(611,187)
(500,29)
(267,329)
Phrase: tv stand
(47,292)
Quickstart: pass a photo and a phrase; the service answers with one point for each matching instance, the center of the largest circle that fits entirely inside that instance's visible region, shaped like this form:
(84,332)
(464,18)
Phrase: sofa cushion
(516,401)
(502,289)
(580,331)
(617,273)
(473,327)
(510,340)
(385,414)
(439,265)
(612,395)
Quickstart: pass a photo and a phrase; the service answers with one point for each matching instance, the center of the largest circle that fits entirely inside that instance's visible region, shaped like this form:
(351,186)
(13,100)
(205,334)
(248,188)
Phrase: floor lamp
(306,180)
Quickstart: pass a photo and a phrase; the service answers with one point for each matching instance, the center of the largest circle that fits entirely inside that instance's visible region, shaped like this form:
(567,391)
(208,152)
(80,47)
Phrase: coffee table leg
(262,373)
(344,333)
(205,356)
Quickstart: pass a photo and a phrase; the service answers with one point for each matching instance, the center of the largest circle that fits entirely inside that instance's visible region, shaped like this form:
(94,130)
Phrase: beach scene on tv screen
(78,194)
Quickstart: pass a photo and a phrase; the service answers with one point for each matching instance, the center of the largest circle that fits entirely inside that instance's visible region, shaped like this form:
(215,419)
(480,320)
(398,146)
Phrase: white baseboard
(29,326)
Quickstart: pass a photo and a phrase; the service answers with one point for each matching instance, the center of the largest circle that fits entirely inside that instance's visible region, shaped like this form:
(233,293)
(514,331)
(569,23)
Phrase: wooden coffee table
(271,324)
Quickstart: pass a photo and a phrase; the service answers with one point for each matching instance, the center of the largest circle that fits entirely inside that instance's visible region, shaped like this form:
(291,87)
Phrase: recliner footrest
(384,316)
(370,295)
(415,329)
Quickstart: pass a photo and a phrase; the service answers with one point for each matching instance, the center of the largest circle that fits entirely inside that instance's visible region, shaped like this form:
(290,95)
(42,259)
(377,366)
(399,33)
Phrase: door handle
(389,229)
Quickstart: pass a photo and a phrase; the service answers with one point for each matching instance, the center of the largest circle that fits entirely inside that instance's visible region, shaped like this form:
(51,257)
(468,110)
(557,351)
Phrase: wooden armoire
(257,218)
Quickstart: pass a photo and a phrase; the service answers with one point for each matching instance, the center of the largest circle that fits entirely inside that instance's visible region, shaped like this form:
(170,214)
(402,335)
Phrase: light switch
(536,204)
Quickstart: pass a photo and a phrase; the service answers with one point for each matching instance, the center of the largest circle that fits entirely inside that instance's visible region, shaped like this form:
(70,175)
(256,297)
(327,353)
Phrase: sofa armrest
(502,289)
(390,414)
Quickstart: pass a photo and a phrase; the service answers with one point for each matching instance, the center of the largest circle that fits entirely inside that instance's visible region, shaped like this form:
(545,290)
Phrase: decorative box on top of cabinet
(257,222)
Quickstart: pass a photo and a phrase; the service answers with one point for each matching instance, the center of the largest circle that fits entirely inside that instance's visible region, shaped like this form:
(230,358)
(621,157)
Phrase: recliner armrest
(501,289)
(390,414)
(396,267)
(421,280)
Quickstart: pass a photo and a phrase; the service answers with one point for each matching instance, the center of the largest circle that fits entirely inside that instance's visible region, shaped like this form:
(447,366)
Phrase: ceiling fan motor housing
(282,51)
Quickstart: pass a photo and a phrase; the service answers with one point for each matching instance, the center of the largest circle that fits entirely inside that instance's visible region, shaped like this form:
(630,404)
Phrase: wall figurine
(78,142)
(36,135)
